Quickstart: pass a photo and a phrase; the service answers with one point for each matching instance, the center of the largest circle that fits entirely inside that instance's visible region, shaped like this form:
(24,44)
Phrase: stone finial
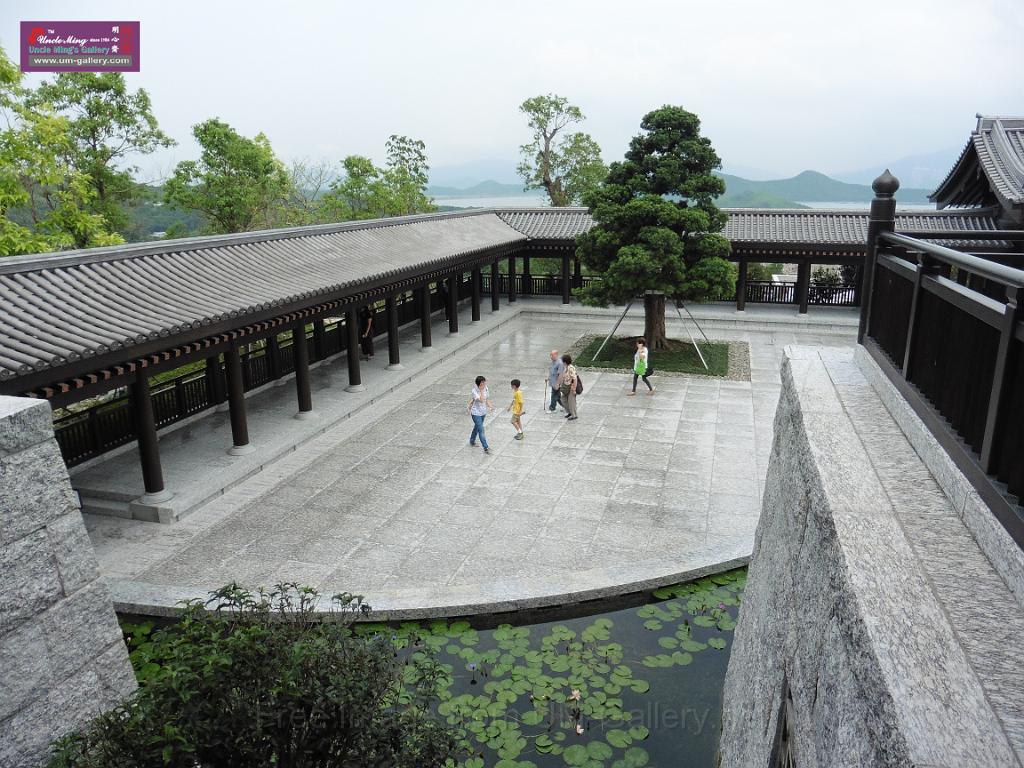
(886,184)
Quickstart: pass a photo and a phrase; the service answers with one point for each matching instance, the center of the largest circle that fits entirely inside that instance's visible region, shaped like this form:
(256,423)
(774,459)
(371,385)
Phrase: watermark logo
(79,46)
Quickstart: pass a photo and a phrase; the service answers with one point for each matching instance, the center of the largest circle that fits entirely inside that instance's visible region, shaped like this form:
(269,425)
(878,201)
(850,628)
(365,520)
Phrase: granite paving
(396,505)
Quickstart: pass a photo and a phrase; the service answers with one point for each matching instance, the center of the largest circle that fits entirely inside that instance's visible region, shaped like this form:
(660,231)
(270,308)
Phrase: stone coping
(139,598)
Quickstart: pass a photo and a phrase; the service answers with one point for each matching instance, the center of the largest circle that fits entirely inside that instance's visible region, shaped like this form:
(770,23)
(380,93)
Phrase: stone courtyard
(397,506)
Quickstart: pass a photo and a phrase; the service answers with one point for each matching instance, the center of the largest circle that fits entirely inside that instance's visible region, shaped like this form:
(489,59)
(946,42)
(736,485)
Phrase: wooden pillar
(355,381)
(577,272)
(565,278)
(423,297)
(319,339)
(741,287)
(803,285)
(511,278)
(495,284)
(302,388)
(882,218)
(149,449)
(527,277)
(215,381)
(274,356)
(453,303)
(997,419)
(391,310)
(476,278)
(236,403)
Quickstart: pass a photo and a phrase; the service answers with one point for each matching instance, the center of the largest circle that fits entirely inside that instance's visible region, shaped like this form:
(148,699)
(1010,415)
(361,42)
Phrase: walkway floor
(394,504)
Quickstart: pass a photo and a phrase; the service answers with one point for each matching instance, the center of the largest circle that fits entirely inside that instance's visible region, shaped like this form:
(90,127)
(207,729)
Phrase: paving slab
(391,501)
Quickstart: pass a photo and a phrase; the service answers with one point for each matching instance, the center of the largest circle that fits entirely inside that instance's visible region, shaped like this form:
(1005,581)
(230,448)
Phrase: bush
(826,277)
(259,679)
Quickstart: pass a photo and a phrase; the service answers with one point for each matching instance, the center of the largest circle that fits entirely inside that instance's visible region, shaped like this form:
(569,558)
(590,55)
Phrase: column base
(303,415)
(355,388)
(396,367)
(453,333)
(426,350)
(225,406)
(241,450)
(155,498)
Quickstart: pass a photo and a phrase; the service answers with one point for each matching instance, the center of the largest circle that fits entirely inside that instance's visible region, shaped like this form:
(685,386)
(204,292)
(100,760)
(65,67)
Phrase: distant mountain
(922,170)
(487,188)
(814,187)
(755,199)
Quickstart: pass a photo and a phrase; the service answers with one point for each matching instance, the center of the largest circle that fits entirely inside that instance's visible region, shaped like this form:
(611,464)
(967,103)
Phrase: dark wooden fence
(947,329)
(767,292)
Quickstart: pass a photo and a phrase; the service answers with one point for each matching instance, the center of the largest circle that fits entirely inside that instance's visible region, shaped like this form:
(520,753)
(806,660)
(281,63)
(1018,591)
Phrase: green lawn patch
(679,357)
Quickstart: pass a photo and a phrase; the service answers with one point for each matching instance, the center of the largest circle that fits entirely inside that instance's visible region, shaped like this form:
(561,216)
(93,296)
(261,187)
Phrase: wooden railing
(947,328)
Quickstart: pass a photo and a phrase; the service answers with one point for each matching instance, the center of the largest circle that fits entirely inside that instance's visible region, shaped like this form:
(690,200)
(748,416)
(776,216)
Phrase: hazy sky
(780,86)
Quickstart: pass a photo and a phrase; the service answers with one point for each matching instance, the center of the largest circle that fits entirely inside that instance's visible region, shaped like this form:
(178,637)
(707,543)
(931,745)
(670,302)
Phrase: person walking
(517,408)
(479,406)
(366,332)
(642,366)
(568,388)
(555,373)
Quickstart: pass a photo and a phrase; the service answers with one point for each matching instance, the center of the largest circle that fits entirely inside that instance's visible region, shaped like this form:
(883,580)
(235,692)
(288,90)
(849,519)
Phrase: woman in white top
(642,366)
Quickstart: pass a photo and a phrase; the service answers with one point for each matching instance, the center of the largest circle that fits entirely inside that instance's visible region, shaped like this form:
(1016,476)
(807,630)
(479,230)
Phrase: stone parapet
(62,659)
(845,653)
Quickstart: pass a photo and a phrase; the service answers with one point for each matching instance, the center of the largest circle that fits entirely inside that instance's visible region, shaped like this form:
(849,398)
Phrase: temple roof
(990,169)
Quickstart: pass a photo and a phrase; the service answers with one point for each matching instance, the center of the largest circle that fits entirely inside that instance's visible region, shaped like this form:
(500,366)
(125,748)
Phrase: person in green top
(642,366)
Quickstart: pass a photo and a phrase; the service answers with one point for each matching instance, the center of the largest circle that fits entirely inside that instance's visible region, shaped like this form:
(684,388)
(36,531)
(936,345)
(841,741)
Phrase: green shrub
(259,679)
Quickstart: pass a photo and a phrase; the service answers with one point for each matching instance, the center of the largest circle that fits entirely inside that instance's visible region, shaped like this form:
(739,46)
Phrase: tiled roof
(64,307)
(548,223)
(761,225)
(996,147)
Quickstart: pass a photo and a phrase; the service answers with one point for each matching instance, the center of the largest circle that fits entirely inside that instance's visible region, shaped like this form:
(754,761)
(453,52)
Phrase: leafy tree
(657,225)
(366,191)
(260,680)
(309,182)
(238,184)
(826,277)
(106,124)
(44,201)
(564,165)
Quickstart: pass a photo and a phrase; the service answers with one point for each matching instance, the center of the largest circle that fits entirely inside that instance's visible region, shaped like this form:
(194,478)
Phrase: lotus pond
(639,686)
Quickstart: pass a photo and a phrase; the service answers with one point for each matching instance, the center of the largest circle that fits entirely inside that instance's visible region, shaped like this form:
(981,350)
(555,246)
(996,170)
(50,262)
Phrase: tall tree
(565,165)
(44,201)
(658,227)
(366,191)
(107,123)
(238,184)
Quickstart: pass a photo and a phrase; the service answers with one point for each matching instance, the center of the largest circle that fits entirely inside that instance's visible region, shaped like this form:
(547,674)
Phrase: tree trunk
(654,320)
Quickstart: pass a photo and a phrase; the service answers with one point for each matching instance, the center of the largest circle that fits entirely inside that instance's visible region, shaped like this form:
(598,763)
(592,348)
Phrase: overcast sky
(779,86)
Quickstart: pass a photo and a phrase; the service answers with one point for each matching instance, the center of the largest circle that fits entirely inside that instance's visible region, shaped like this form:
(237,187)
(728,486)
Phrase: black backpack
(579,385)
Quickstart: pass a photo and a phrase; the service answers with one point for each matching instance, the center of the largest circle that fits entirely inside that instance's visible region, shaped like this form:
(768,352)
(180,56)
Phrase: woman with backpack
(642,366)
(570,387)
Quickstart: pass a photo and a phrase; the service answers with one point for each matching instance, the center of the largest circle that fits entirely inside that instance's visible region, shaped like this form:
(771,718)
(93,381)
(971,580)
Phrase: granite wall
(62,659)
(838,617)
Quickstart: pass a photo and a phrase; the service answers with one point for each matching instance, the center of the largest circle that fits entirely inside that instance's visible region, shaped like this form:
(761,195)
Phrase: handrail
(965,234)
(981,267)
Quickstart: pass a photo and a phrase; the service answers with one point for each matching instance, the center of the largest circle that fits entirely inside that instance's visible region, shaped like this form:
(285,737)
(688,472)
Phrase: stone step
(110,507)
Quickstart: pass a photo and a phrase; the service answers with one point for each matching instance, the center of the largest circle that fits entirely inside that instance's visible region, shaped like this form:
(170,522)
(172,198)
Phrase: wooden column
(301,351)
(997,419)
(391,310)
(453,304)
(274,357)
(741,287)
(423,297)
(149,449)
(215,380)
(565,278)
(476,278)
(495,283)
(511,279)
(355,382)
(577,270)
(236,403)
(527,277)
(882,218)
(803,285)
(319,339)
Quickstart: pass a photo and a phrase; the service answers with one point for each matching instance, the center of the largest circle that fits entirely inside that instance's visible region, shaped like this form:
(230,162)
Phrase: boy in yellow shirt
(517,408)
